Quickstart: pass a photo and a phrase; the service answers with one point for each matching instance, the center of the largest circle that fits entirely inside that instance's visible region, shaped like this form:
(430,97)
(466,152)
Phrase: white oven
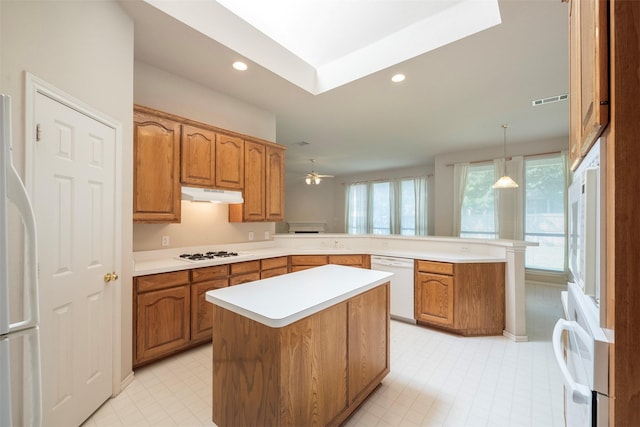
(587,227)
(585,367)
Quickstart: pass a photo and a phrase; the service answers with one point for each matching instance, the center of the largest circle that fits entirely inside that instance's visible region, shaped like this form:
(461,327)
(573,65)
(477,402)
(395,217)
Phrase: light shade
(314,180)
(505,182)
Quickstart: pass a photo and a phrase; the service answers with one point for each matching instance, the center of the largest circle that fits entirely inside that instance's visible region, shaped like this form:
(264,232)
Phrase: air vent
(550,100)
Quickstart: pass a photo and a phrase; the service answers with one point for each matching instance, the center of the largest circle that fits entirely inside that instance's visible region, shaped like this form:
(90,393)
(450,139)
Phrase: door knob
(110,277)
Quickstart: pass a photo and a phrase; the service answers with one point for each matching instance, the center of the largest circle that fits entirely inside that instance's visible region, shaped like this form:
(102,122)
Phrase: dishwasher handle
(392,262)
(580,393)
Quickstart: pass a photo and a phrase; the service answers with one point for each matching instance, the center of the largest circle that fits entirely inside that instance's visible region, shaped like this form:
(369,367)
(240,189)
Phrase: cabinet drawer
(356,260)
(309,259)
(244,278)
(269,263)
(245,267)
(435,267)
(208,273)
(265,274)
(161,281)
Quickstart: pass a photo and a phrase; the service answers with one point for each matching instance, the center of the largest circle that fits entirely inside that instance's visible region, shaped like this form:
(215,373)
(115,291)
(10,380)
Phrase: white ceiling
(455,97)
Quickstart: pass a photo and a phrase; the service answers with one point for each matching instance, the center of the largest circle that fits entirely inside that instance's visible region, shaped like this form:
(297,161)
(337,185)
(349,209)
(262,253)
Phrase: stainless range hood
(195,194)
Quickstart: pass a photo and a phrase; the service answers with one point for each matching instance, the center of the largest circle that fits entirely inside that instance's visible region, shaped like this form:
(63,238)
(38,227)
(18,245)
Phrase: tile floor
(436,379)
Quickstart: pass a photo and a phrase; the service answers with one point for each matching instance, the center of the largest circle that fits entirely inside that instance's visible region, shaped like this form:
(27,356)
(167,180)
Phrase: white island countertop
(282,300)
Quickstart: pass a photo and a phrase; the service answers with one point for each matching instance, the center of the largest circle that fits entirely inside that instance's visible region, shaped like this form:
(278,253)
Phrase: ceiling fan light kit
(505,180)
(313,177)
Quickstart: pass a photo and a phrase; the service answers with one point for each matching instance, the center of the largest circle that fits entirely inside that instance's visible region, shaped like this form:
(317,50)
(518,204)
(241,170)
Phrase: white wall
(86,50)
(200,225)
(305,203)
(444,173)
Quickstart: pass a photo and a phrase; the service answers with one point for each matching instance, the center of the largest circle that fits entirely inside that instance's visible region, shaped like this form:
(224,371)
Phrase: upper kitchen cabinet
(263,184)
(198,155)
(156,156)
(229,162)
(274,176)
(589,70)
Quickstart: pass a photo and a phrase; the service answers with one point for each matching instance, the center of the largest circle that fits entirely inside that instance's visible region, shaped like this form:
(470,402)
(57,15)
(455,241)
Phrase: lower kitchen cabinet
(465,298)
(203,280)
(302,262)
(271,267)
(162,305)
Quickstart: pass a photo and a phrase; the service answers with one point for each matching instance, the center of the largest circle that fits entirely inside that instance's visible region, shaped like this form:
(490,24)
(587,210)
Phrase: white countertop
(282,300)
(167,263)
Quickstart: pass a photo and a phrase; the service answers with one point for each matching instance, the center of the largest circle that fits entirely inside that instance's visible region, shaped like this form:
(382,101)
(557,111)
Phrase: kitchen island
(305,348)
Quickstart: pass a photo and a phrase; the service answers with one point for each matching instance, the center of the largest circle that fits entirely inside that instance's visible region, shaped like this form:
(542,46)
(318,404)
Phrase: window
(387,207)
(478,216)
(544,220)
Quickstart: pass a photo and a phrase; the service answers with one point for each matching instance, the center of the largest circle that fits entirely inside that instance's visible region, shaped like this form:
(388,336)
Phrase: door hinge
(38,130)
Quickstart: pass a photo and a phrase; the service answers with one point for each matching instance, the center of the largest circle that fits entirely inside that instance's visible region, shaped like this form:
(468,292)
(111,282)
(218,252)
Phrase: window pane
(408,208)
(381,208)
(544,213)
(477,216)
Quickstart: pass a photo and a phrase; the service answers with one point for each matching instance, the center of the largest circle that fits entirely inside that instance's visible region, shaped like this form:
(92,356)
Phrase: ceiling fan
(313,177)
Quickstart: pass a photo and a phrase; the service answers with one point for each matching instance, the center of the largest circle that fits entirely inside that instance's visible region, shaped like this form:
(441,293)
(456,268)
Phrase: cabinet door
(274,182)
(162,322)
(368,337)
(201,310)
(229,162)
(156,173)
(198,156)
(589,42)
(254,173)
(434,298)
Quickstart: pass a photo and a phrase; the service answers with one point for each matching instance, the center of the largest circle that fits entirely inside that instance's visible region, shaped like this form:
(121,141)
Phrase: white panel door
(75,212)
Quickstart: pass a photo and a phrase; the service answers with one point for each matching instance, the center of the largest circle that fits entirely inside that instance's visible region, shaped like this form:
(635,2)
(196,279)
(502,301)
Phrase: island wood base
(315,371)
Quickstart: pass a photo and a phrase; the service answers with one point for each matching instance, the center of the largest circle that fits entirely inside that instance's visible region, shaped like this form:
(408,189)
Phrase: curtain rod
(429,175)
(508,158)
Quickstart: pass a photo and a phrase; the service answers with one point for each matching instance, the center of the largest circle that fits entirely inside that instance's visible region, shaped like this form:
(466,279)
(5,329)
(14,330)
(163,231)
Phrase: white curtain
(515,169)
(395,206)
(357,209)
(421,215)
(460,171)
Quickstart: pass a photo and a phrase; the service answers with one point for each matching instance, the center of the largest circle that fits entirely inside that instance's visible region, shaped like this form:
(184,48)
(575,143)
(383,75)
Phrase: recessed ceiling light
(397,78)
(240,66)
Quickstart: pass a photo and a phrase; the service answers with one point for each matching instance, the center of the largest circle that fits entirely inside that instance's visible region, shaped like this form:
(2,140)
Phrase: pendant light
(505,180)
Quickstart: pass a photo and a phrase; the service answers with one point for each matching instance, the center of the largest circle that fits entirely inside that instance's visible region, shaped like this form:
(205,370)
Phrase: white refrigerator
(20,385)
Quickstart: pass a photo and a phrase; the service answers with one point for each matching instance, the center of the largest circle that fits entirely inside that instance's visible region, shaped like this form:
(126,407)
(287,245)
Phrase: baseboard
(125,382)
(515,338)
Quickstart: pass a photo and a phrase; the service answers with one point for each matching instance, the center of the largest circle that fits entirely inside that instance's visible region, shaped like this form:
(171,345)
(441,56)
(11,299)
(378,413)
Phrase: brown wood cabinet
(197,155)
(156,157)
(229,162)
(203,280)
(589,69)
(315,371)
(170,150)
(243,272)
(263,184)
(274,184)
(302,262)
(272,267)
(162,305)
(466,298)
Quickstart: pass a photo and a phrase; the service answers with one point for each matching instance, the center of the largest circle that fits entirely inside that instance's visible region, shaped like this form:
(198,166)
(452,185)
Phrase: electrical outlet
(165,240)
(251,235)
(266,235)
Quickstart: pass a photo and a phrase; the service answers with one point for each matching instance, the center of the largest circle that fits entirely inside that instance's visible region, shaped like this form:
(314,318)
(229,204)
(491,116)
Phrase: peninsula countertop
(282,300)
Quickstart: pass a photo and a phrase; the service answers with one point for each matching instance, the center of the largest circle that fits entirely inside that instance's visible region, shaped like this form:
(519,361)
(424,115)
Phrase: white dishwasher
(401,285)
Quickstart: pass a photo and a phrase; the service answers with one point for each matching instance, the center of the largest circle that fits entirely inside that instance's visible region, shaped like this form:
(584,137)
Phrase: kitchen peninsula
(305,348)
(432,248)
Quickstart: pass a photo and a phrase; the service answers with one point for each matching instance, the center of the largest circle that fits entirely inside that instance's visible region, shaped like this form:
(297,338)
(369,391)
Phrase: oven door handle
(580,393)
